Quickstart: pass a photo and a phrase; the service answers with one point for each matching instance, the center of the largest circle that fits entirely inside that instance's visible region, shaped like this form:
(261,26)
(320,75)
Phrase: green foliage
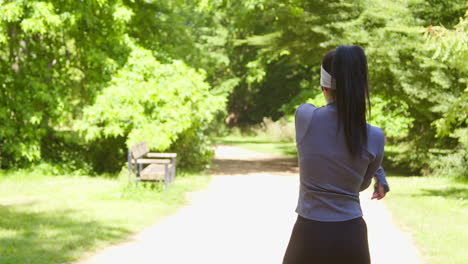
(146,100)
(194,148)
(417,53)
(121,71)
(102,67)
(426,74)
(453,163)
(54,57)
(394,118)
(163,104)
(272,53)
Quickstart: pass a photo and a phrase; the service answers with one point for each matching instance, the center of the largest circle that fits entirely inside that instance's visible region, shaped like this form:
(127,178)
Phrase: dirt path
(246,216)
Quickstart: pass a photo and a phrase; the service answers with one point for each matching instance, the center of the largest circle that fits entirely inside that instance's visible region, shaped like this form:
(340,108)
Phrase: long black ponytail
(348,67)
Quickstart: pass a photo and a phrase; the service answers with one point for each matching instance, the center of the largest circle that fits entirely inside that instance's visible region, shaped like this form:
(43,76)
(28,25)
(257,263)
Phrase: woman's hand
(379,191)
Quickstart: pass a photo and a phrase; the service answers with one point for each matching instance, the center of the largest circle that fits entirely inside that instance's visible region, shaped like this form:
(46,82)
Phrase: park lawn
(266,145)
(60,219)
(435,211)
(260,144)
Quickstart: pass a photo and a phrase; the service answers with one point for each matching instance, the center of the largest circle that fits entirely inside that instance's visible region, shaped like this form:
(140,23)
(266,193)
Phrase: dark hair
(348,67)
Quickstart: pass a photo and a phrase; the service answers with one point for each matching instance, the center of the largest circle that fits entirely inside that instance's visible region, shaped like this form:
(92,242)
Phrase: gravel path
(246,216)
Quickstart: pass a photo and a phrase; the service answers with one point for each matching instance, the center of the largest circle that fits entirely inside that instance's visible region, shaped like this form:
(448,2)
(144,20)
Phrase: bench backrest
(139,150)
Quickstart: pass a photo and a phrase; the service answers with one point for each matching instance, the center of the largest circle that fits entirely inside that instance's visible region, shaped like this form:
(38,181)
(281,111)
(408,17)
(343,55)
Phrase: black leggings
(328,242)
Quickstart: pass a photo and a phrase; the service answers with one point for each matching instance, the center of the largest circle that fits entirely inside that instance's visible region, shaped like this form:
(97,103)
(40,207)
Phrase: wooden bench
(148,166)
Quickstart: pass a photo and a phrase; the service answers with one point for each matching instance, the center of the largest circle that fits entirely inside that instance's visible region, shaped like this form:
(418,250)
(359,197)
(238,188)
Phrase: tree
(61,57)
(416,69)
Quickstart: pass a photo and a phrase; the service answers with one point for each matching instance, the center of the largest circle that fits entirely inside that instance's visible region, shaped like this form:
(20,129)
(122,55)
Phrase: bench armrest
(161,155)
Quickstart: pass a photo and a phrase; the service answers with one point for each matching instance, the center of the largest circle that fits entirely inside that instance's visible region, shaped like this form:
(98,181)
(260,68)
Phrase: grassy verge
(60,219)
(285,148)
(260,144)
(435,210)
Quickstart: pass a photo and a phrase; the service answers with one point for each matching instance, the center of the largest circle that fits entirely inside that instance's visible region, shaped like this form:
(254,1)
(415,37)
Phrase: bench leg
(132,169)
(167,177)
(173,169)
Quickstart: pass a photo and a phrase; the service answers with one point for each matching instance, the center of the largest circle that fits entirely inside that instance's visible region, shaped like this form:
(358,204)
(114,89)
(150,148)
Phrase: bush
(194,149)
(454,164)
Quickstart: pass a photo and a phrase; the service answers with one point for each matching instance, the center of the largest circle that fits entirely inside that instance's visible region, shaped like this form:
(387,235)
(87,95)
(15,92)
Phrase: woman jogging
(339,153)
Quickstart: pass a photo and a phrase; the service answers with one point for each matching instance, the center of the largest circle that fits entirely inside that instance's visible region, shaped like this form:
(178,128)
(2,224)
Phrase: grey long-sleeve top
(330,178)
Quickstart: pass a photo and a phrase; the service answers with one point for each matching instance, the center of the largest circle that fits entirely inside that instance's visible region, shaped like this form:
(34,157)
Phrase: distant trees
(417,54)
(116,71)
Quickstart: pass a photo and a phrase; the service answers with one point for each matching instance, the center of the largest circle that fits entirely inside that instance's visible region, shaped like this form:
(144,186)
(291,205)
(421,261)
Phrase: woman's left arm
(381,186)
(376,163)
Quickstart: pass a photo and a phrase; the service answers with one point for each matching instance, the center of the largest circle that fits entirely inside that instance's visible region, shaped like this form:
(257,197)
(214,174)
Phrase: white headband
(325,78)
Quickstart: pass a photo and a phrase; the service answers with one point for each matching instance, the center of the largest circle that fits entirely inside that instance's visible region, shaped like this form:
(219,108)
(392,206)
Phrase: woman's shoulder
(306,107)
(303,118)
(304,110)
(375,133)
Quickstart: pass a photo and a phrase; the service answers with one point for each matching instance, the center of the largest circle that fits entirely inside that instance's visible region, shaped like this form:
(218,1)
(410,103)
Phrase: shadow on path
(276,166)
(231,160)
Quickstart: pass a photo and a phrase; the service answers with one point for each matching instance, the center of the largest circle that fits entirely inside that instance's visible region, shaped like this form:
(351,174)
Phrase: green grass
(435,211)
(260,144)
(60,219)
(288,148)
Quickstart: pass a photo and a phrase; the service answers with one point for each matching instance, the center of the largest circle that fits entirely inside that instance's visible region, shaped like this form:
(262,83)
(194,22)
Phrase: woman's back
(339,153)
(330,176)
